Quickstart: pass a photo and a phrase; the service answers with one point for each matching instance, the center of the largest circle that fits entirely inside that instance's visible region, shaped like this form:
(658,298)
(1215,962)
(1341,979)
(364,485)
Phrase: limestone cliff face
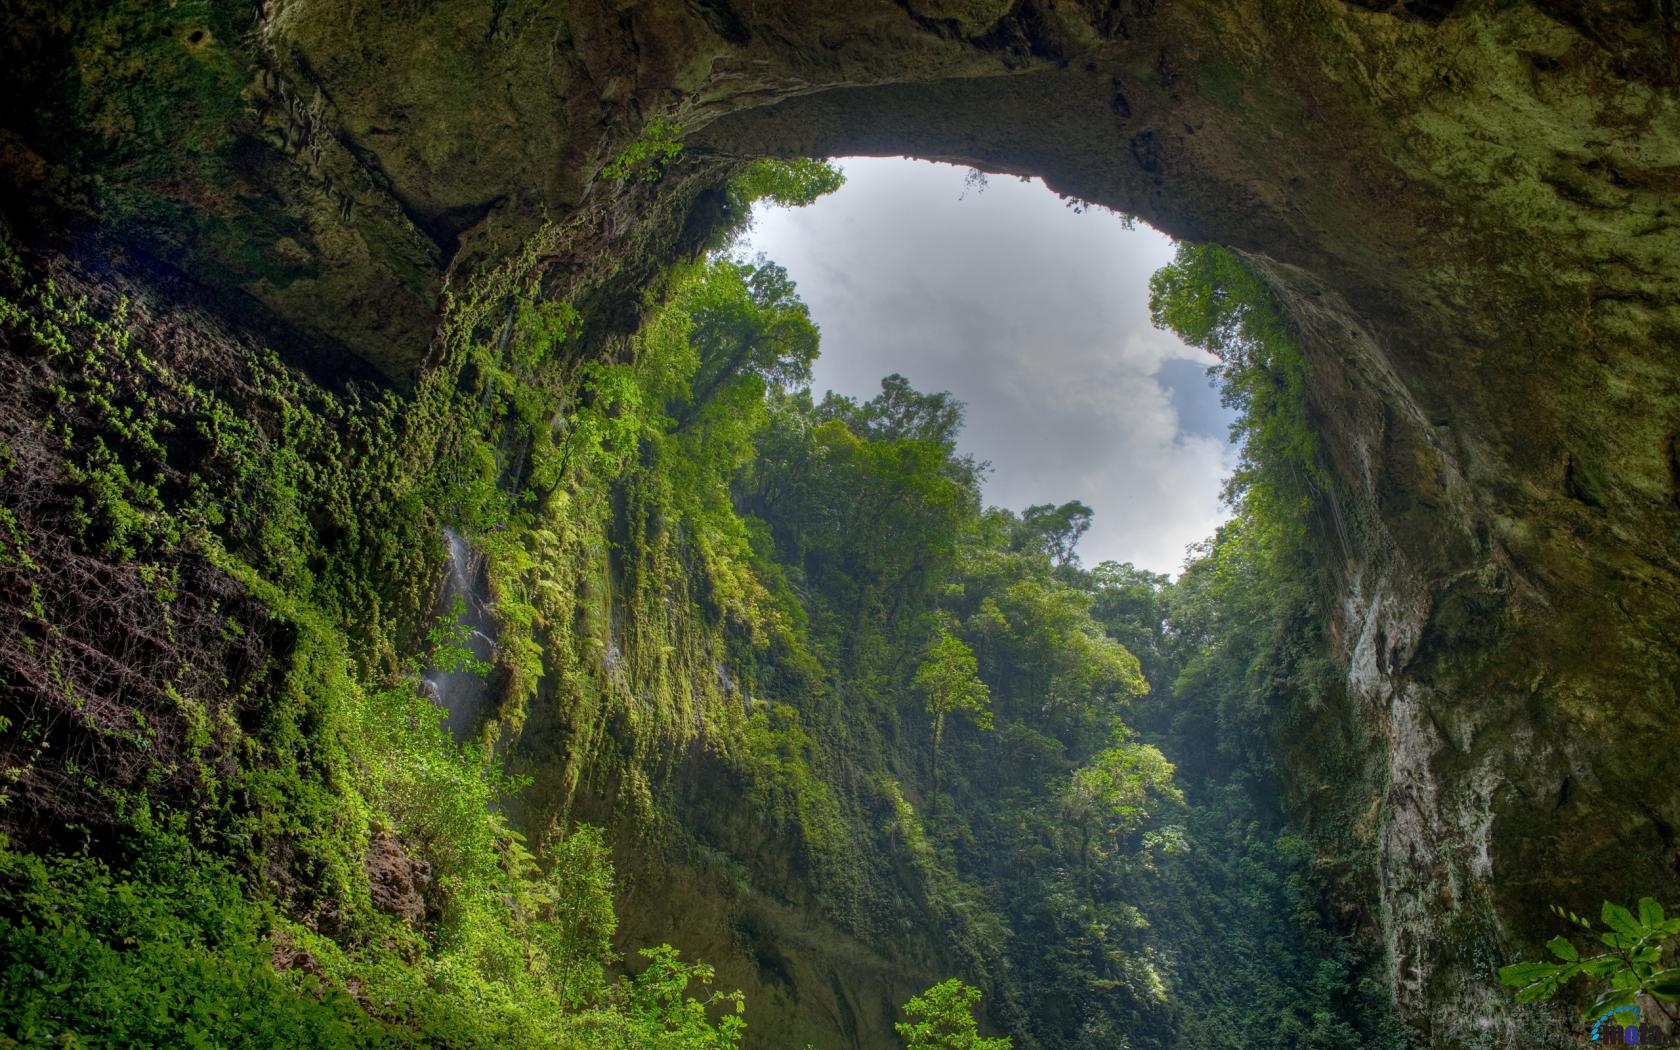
(1470,208)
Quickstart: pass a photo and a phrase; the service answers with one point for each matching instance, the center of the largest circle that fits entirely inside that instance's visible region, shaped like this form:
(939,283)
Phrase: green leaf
(1563,949)
(1650,912)
(1607,1002)
(1619,941)
(1519,974)
(1621,920)
(1664,984)
(1538,992)
(1535,981)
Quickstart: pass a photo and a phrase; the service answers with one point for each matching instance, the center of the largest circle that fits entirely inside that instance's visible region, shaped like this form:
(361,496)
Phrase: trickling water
(462,693)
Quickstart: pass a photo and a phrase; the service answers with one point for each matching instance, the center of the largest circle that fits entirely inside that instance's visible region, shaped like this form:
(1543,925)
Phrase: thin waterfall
(460,692)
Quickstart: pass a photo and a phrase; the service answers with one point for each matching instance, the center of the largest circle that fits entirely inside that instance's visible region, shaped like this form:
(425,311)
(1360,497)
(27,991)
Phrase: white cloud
(1035,316)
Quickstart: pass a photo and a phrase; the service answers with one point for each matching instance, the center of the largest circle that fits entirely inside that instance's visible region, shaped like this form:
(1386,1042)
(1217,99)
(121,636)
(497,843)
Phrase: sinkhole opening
(1031,309)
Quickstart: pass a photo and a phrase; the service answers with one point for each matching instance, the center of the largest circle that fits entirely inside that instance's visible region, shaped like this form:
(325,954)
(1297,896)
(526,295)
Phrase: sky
(1037,317)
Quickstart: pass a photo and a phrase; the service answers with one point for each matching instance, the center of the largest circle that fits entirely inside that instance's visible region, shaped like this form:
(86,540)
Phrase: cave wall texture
(1469,208)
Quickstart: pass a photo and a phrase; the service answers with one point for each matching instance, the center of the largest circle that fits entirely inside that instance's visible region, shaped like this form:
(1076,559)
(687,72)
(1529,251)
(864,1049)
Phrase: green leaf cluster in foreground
(1629,974)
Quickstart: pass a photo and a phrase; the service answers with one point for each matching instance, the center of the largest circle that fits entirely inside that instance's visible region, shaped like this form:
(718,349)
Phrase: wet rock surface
(399,881)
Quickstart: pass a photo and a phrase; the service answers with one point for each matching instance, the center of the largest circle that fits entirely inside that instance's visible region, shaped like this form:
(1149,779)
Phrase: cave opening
(1031,309)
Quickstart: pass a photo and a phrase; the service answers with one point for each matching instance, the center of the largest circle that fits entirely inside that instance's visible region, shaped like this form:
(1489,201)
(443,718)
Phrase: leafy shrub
(645,159)
(942,1018)
(1632,969)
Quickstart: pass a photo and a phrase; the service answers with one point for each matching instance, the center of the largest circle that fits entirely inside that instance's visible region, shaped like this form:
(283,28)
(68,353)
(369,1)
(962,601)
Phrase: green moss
(323,509)
(647,156)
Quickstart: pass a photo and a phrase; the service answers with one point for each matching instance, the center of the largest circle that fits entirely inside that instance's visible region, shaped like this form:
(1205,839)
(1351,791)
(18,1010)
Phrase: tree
(1056,530)
(789,183)
(1046,658)
(942,1018)
(951,679)
(1210,297)
(900,412)
(746,321)
(1115,791)
(870,517)
(661,1015)
(1131,605)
